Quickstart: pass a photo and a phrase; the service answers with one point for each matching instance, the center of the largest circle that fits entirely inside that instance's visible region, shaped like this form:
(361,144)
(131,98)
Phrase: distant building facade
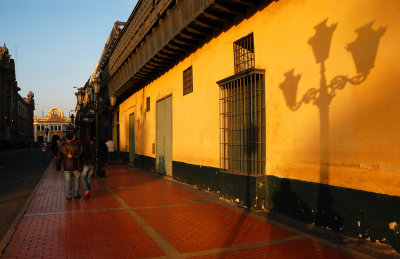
(54,124)
(24,122)
(16,112)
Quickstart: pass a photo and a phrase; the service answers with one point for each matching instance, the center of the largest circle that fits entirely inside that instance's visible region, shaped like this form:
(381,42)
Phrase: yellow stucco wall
(363,129)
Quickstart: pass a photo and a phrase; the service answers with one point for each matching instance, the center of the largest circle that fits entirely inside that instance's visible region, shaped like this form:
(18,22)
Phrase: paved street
(133,214)
(20,171)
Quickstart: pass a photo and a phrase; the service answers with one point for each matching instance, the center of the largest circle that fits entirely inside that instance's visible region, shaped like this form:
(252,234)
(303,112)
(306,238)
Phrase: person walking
(110,149)
(68,153)
(43,148)
(87,159)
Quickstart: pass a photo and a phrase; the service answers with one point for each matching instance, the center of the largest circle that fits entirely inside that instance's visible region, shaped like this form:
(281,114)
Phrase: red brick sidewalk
(134,215)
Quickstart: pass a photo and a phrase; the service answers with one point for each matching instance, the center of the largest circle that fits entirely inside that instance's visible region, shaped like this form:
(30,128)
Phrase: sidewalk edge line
(163,244)
(11,230)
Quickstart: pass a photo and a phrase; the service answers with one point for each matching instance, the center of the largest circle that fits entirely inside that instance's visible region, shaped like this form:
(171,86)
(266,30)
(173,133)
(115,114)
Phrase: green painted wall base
(352,212)
(145,162)
(123,157)
(246,190)
(140,161)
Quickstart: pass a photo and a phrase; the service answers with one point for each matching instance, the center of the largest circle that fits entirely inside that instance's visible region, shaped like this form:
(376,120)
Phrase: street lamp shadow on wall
(363,50)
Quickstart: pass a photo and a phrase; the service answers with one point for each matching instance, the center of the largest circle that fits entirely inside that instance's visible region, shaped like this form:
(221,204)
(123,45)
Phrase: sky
(56,44)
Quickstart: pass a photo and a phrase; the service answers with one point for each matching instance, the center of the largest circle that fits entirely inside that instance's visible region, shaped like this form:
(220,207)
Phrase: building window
(242,123)
(51,127)
(244,53)
(37,127)
(42,127)
(59,127)
(147,104)
(187,81)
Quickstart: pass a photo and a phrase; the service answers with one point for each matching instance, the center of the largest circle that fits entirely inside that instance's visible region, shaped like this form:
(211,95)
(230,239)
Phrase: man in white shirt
(110,149)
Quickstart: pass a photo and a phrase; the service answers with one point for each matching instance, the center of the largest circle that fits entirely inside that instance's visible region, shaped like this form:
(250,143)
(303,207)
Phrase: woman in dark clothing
(87,158)
(68,153)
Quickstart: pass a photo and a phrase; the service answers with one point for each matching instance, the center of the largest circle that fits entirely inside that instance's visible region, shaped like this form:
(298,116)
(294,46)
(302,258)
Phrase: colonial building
(285,106)
(54,124)
(16,113)
(24,122)
(85,111)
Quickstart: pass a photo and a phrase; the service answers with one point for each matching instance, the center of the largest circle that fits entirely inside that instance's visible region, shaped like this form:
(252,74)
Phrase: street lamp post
(98,172)
(113,99)
(71,125)
(80,95)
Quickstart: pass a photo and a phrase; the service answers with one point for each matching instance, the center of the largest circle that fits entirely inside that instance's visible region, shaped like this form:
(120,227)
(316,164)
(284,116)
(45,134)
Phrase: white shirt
(44,146)
(110,145)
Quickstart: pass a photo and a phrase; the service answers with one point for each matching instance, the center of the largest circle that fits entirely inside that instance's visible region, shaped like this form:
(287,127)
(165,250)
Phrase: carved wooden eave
(159,34)
(110,44)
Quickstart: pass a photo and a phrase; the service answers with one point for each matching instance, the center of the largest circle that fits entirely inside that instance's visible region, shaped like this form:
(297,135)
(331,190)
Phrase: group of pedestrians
(78,158)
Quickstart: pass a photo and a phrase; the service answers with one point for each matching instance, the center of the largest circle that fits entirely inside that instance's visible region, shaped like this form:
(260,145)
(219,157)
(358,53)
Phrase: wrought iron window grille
(242,123)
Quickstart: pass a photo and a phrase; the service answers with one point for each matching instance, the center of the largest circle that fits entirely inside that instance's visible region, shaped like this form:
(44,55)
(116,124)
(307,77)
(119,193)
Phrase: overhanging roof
(155,38)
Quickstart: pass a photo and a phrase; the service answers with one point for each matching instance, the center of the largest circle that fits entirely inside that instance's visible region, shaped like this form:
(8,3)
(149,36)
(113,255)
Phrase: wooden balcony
(160,33)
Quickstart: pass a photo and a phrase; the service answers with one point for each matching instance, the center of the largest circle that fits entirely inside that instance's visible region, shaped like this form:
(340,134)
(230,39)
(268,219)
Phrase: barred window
(244,53)
(187,81)
(242,123)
